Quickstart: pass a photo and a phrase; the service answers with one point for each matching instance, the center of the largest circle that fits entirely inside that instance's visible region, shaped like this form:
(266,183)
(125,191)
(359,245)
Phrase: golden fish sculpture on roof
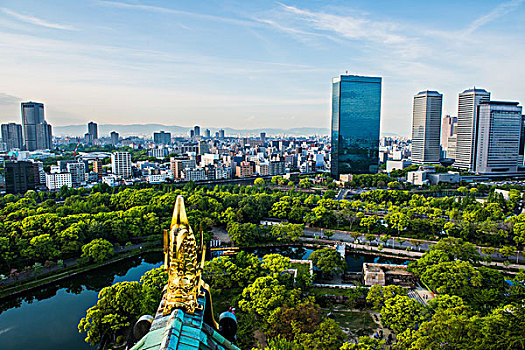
(185,282)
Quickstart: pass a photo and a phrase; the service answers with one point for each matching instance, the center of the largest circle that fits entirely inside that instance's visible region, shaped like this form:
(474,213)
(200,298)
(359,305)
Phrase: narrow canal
(354,260)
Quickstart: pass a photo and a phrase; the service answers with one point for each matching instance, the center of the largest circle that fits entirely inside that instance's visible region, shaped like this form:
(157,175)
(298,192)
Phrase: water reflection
(355,261)
(47,318)
(288,251)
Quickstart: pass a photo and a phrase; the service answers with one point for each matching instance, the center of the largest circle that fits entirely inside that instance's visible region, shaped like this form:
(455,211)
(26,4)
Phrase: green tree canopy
(401,312)
(97,250)
(265,295)
(378,294)
(328,261)
(116,308)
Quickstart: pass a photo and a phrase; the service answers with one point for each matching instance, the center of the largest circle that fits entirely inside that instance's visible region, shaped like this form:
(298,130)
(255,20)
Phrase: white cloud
(165,10)
(6,99)
(499,11)
(350,27)
(37,21)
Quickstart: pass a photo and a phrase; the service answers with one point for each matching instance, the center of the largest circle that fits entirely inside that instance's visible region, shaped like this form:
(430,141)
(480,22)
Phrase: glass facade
(32,116)
(356,115)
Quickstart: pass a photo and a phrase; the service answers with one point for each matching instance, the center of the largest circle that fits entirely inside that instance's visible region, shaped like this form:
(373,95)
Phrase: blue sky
(250,64)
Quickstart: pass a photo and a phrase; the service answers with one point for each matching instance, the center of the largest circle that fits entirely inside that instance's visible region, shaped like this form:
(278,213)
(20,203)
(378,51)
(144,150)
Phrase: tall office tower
(356,114)
(426,126)
(498,137)
(468,103)
(121,164)
(21,176)
(93,130)
(37,133)
(216,134)
(448,129)
(44,136)
(114,138)
(452,146)
(521,154)
(197,130)
(162,138)
(221,134)
(192,133)
(263,137)
(12,136)
(208,133)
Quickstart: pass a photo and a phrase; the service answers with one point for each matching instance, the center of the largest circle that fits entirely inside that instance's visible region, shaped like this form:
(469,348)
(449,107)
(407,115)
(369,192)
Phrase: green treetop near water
(97,250)
(121,304)
(328,261)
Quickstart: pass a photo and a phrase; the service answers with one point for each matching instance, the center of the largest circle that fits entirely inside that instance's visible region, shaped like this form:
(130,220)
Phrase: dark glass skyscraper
(356,115)
(93,130)
(12,136)
(37,133)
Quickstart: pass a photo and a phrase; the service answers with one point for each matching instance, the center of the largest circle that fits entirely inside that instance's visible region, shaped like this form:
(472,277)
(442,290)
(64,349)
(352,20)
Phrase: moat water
(47,318)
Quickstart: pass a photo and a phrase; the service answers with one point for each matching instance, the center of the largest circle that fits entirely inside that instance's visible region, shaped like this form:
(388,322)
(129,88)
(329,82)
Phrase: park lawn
(356,322)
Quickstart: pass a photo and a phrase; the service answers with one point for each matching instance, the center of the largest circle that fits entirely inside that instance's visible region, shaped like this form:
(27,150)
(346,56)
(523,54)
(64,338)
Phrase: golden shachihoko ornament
(185,282)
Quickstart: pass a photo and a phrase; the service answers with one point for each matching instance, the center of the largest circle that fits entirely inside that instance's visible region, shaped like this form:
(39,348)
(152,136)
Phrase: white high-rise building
(468,103)
(121,164)
(426,127)
(498,137)
(57,180)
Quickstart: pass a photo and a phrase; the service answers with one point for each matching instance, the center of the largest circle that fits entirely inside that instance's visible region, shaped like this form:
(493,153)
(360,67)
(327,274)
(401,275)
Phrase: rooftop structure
(385,274)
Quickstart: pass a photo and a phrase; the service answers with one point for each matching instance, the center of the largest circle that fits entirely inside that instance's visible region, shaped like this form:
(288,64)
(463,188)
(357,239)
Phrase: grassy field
(356,323)
(330,291)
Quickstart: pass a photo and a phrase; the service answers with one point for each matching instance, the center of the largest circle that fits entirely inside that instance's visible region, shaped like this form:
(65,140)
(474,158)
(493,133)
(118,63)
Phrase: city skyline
(272,73)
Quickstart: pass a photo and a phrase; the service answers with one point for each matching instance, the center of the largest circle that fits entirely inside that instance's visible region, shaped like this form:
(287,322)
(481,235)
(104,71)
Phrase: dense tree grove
(40,227)
(97,250)
(475,308)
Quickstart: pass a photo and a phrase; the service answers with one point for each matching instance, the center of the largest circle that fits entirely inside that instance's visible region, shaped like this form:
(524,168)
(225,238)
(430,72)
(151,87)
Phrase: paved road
(21,276)
(346,237)
(342,194)
(391,243)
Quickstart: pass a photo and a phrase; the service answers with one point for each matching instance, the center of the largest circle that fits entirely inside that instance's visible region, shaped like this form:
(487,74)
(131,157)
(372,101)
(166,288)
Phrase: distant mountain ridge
(148,129)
